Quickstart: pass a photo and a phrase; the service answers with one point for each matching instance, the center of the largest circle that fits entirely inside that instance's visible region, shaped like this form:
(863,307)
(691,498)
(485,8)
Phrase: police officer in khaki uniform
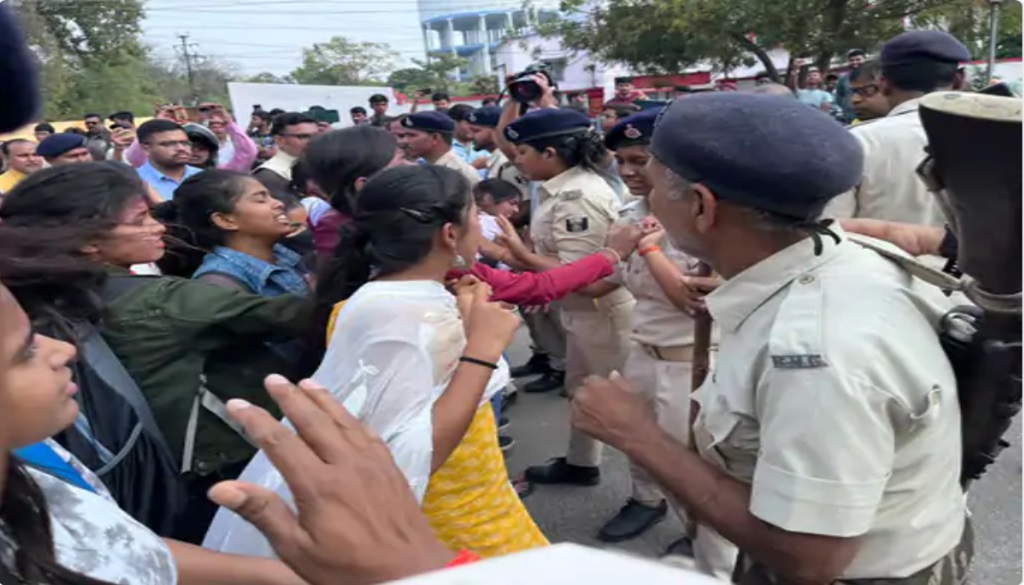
(913,64)
(660,360)
(482,123)
(547,335)
(429,135)
(829,432)
(572,220)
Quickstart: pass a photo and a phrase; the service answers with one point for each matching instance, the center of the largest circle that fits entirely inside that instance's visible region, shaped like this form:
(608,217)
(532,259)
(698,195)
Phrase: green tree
(267,77)
(410,79)
(91,55)
(437,73)
(340,61)
(484,84)
(661,36)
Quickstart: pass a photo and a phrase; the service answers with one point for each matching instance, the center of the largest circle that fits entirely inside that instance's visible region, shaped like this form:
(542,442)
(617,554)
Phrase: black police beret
(486,116)
(633,130)
(545,123)
(766,152)
(431,121)
(58,144)
(923,45)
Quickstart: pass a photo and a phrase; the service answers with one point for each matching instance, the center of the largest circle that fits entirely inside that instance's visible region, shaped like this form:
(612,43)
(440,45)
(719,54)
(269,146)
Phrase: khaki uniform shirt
(453,161)
(575,211)
(499,167)
(890,188)
(833,398)
(656,321)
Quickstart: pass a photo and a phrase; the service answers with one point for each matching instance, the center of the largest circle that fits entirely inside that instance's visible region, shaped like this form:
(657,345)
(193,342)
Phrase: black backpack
(117,438)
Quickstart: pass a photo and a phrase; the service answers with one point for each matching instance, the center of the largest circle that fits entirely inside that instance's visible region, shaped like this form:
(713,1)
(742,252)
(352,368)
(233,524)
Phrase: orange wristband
(465,557)
(649,249)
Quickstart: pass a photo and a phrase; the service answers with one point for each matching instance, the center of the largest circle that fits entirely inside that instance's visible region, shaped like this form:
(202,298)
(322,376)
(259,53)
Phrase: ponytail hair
(584,149)
(395,219)
(336,160)
(191,233)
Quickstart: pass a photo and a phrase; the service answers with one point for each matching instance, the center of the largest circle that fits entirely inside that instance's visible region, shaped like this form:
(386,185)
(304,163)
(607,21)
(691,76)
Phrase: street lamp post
(993,33)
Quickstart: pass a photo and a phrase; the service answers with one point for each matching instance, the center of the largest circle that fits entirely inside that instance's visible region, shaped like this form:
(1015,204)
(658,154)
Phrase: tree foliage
(90,54)
(667,36)
(340,61)
(267,77)
(439,73)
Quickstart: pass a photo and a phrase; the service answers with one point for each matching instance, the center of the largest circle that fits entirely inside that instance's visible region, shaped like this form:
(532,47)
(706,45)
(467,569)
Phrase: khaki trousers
(667,385)
(597,343)
(547,336)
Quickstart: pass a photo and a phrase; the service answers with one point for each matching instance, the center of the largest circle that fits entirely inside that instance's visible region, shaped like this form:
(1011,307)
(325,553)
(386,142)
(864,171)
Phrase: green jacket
(167,331)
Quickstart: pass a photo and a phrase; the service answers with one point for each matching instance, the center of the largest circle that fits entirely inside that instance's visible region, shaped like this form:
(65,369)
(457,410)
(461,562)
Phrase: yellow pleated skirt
(470,502)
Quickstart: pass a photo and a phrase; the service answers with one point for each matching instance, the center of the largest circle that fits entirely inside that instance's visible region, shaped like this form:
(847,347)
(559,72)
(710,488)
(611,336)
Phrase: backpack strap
(208,401)
(118,285)
(98,355)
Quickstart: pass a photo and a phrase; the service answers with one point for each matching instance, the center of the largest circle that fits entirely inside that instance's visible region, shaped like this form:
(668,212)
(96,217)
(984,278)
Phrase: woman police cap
(765,152)
(546,123)
(635,130)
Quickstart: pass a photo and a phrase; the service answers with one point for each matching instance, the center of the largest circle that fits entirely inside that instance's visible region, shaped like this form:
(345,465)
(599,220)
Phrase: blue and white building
(475,30)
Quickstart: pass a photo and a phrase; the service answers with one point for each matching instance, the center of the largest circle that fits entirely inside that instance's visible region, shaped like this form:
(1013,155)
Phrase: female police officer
(575,211)
(660,357)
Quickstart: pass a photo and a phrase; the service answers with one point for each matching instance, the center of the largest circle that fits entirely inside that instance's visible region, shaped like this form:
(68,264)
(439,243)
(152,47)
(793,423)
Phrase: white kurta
(392,354)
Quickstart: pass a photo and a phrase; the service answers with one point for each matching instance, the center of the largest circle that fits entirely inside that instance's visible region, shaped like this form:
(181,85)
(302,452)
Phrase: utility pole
(188,66)
(993,37)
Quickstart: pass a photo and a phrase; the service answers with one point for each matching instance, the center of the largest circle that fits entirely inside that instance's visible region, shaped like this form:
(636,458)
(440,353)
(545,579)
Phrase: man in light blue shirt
(813,94)
(168,151)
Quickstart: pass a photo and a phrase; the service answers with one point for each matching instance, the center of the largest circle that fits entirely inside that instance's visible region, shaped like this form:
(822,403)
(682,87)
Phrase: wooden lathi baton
(700,366)
(701,344)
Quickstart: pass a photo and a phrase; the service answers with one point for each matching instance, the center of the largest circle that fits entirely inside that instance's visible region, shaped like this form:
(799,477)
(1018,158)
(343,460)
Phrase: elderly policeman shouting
(828,435)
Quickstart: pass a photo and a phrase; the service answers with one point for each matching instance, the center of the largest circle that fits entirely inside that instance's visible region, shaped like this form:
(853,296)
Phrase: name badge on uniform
(798,362)
(577,224)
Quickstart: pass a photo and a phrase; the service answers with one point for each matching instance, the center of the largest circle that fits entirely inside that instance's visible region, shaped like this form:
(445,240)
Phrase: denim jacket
(260,277)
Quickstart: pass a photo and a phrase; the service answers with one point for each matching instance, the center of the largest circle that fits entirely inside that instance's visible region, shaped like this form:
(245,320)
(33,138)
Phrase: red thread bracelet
(465,557)
(649,249)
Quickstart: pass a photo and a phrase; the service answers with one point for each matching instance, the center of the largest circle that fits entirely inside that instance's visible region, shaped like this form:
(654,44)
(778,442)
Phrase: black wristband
(470,360)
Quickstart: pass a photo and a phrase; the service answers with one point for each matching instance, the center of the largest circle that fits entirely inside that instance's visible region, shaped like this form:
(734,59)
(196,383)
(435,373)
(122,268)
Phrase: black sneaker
(506,442)
(632,520)
(552,380)
(682,547)
(558,471)
(537,364)
(502,424)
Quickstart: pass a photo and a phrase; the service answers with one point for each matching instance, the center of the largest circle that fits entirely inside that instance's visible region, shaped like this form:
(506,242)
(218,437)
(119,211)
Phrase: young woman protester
(58,524)
(235,228)
(340,163)
(174,337)
(416,364)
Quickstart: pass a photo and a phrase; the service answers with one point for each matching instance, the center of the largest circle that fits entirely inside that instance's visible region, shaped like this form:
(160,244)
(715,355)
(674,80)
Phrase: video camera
(524,89)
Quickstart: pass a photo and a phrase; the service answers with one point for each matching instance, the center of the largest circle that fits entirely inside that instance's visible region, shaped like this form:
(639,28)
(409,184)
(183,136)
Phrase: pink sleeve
(245,150)
(135,156)
(541,288)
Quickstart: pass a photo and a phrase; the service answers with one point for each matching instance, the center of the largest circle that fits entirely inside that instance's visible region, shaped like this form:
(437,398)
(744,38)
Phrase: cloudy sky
(268,35)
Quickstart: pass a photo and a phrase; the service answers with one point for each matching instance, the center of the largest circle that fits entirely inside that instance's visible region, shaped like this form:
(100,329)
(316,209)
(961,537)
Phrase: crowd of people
(164,284)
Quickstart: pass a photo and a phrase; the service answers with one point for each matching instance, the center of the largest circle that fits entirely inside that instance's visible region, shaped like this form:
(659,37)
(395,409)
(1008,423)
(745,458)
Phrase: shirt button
(806,279)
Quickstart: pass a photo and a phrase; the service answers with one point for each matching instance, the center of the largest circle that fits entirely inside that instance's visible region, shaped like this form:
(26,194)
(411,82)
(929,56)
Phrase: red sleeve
(541,288)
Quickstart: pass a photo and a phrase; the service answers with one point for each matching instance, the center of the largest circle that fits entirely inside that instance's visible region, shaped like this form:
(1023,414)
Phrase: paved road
(575,514)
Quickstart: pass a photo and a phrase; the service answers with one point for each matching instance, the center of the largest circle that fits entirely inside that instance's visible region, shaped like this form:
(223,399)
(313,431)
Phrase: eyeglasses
(865,90)
(298,136)
(173,143)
